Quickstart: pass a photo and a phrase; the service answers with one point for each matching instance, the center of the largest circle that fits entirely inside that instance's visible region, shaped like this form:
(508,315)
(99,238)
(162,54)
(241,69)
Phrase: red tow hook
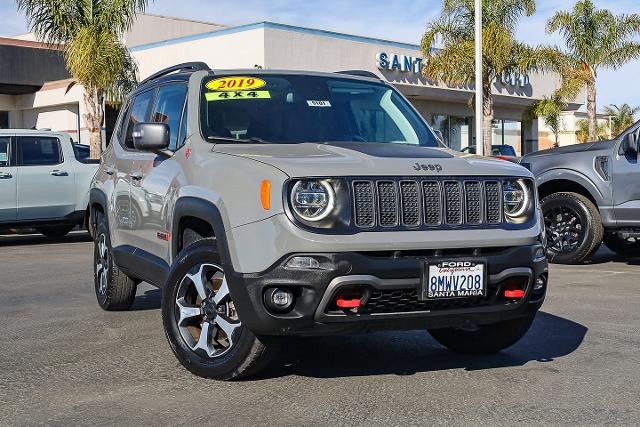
(341,302)
(514,293)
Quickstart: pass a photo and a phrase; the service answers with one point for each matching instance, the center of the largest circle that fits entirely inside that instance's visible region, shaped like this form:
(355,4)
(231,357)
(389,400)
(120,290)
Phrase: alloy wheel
(102,263)
(564,229)
(204,312)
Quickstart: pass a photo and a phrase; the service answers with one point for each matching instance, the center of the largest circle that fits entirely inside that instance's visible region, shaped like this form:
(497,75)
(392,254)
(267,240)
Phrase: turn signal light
(265,194)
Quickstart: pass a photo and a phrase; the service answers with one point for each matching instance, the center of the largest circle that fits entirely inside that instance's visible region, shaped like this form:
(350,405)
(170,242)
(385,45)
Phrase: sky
(398,20)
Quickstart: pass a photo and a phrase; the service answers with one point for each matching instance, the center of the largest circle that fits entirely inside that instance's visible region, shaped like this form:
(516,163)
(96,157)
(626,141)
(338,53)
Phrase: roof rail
(359,73)
(187,66)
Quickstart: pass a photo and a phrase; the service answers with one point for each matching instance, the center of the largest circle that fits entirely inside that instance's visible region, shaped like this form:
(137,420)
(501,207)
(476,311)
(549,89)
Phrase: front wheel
(200,320)
(626,247)
(574,228)
(484,339)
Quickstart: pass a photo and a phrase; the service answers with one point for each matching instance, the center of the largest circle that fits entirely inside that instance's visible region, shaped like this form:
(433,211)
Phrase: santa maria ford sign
(414,65)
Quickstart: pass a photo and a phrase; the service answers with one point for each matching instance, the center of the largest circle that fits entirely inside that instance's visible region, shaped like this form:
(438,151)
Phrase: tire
(115,291)
(486,339)
(56,232)
(217,357)
(574,228)
(629,248)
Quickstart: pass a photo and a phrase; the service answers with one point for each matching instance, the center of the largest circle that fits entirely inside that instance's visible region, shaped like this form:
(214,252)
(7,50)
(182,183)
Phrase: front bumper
(392,280)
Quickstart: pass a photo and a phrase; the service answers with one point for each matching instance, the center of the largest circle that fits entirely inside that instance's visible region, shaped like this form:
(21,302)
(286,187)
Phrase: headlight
(516,199)
(312,200)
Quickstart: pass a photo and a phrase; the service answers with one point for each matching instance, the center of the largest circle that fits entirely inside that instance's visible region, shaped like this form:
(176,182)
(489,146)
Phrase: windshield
(288,109)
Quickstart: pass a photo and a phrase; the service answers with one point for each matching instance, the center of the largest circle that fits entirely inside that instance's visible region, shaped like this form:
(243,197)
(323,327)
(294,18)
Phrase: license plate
(454,279)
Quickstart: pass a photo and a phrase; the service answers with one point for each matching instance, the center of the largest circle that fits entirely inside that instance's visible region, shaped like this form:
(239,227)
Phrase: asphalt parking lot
(63,361)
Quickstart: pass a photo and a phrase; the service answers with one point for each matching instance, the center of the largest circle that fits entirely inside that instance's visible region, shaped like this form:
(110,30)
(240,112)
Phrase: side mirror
(151,136)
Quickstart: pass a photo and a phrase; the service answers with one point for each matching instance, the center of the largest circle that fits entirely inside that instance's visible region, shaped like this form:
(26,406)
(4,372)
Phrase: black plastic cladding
(433,193)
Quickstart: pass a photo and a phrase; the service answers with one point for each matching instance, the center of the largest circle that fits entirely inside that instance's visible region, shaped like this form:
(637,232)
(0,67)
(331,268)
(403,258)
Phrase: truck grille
(431,203)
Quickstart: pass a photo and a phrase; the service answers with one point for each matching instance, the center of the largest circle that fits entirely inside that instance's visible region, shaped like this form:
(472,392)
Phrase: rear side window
(168,109)
(5,143)
(38,151)
(139,114)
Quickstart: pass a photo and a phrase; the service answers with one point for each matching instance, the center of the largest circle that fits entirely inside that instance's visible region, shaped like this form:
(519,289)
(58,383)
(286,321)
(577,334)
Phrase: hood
(571,149)
(369,159)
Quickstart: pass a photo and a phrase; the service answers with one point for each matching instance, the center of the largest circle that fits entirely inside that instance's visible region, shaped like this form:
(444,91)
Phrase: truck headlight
(516,197)
(312,200)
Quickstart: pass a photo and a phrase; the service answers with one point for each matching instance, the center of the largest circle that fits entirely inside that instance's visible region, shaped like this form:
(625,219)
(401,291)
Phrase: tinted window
(139,114)
(168,109)
(297,108)
(38,150)
(5,143)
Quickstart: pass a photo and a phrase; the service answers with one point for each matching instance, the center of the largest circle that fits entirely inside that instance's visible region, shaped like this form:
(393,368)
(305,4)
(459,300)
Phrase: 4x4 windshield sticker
(321,104)
(232,84)
(230,96)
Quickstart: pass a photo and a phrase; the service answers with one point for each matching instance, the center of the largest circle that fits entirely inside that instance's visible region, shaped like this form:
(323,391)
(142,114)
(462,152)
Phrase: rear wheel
(574,228)
(56,232)
(626,247)
(114,289)
(200,320)
(484,339)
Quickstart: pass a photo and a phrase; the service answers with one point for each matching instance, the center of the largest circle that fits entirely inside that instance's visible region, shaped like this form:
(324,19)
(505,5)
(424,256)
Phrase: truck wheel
(484,339)
(626,247)
(574,227)
(114,289)
(56,232)
(201,322)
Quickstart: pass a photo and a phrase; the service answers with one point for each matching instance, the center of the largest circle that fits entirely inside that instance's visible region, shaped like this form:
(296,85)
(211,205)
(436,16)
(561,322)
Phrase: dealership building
(35,90)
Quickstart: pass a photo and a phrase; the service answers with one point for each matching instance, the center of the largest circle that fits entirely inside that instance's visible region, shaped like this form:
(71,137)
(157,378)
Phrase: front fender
(579,178)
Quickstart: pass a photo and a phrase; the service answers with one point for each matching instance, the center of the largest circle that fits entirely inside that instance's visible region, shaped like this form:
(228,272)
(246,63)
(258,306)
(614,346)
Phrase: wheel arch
(557,181)
(203,217)
(97,203)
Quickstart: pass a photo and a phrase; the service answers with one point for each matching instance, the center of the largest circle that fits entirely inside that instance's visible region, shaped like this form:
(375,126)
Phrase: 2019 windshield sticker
(321,104)
(238,95)
(232,84)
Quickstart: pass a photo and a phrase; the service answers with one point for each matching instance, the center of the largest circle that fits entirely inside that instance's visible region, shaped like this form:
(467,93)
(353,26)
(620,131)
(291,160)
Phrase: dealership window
(508,132)
(38,151)
(4,120)
(455,131)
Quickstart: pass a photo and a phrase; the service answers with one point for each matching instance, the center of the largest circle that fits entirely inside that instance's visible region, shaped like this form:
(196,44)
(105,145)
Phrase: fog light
(279,299)
(303,263)
(540,282)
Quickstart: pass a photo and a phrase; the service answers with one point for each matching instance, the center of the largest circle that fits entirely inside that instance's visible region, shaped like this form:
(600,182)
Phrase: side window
(168,109)
(139,114)
(38,151)
(5,144)
(122,123)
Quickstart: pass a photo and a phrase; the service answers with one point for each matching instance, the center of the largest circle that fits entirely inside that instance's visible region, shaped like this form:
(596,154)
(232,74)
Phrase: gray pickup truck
(590,194)
(44,182)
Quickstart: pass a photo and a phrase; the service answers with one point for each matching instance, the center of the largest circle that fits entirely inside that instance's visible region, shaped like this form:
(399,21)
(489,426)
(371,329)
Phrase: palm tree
(622,117)
(582,134)
(449,50)
(90,34)
(550,110)
(596,39)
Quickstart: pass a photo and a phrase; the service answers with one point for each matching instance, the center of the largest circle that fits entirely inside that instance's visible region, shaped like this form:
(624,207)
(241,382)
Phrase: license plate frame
(427,294)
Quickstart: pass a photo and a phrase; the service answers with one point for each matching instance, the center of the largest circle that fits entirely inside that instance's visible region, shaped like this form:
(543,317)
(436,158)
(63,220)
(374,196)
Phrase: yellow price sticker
(231,96)
(232,84)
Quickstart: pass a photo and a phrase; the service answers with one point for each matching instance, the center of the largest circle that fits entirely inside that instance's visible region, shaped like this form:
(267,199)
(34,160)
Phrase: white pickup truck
(44,182)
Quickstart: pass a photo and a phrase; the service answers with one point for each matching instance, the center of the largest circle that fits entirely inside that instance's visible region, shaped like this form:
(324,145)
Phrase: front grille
(430,203)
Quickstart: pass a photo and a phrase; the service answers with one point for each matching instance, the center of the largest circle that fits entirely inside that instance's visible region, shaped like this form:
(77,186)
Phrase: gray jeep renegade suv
(276,203)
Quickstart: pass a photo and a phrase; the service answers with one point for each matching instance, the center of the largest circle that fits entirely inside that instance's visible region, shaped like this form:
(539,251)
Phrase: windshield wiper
(252,140)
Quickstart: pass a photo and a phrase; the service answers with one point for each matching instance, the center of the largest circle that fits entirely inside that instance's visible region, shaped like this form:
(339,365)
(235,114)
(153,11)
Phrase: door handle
(136,176)
(57,172)
(110,171)
(5,175)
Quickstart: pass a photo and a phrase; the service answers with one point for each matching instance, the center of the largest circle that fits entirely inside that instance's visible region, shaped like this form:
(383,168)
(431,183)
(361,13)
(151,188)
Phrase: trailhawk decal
(232,84)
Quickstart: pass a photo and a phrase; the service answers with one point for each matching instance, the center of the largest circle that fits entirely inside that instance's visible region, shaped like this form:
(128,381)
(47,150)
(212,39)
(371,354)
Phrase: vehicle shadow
(150,299)
(604,256)
(38,239)
(407,353)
